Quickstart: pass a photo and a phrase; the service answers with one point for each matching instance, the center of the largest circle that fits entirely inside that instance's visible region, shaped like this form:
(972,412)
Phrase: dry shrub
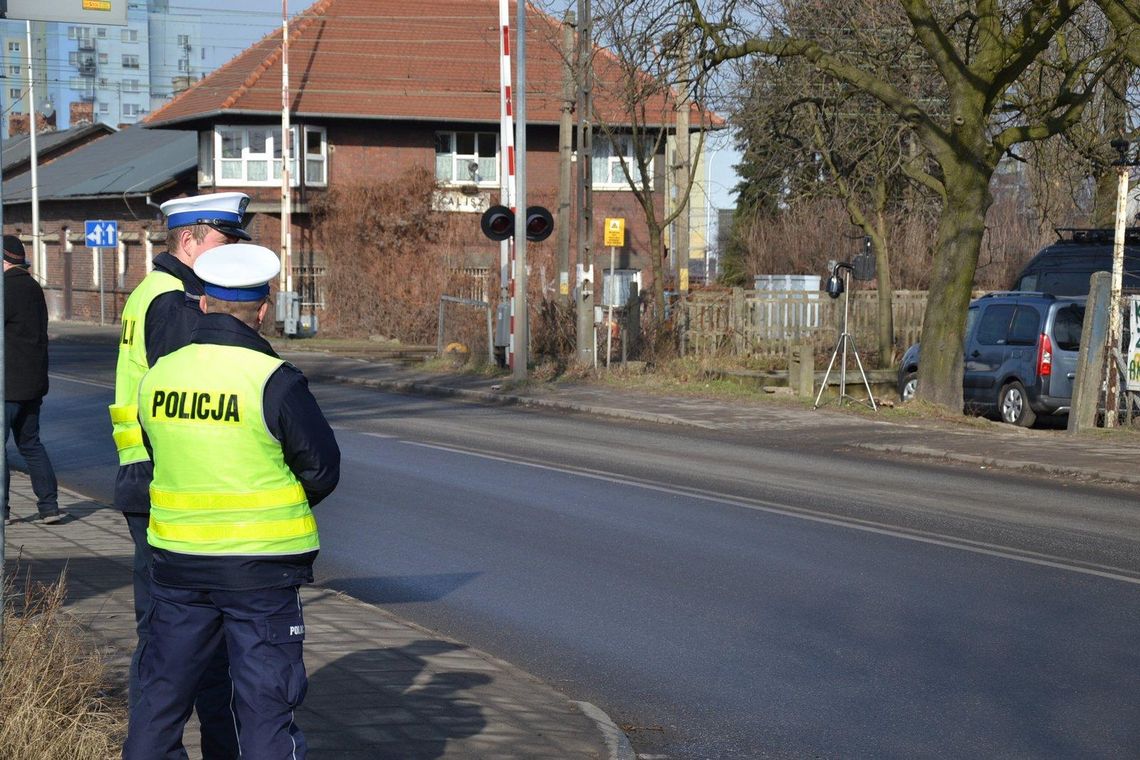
(54,702)
(554,332)
(388,260)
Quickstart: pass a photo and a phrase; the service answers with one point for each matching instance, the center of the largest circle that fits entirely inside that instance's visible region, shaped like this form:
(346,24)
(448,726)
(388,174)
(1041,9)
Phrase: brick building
(378,86)
(120,177)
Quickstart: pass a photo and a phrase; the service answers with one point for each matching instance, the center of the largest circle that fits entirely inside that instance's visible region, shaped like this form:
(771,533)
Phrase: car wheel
(908,387)
(1013,405)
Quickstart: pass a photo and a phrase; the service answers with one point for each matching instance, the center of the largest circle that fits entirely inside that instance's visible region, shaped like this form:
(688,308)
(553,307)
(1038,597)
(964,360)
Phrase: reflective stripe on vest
(221,485)
(132,365)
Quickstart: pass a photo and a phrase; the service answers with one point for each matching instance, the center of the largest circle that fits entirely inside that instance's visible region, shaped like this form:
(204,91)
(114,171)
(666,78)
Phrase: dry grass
(55,698)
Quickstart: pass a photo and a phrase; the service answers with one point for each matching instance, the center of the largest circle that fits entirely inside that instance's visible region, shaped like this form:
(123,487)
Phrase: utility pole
(286,284)
(37,261)
(565,138)
(522,333)
(585,228)
(1115,327)
(681,178)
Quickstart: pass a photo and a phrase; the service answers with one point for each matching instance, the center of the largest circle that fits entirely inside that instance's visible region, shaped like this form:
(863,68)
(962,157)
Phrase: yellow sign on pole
(615,232)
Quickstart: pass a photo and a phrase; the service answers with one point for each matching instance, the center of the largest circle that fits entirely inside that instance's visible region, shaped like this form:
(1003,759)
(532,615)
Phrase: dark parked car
(1064,267)
(1020,355)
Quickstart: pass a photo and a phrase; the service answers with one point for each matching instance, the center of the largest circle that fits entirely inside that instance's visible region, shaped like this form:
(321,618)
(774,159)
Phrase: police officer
(241,452)
(157,319)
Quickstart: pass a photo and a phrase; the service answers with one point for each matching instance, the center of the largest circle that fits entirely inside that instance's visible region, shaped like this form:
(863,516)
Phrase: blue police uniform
(170,318)
(170,321)
(206,592)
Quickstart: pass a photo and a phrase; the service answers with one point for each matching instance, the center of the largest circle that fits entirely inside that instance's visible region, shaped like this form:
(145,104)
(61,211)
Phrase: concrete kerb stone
(1044,468)
(506,399)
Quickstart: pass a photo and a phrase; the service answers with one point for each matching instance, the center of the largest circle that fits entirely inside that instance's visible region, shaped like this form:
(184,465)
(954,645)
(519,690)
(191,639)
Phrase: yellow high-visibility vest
(221,485)
(132,365)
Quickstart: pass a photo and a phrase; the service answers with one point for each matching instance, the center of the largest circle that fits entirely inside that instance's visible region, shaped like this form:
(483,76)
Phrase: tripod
(845,338)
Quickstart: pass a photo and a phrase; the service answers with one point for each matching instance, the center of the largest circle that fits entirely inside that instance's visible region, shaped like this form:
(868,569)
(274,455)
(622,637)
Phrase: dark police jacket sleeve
(307,441)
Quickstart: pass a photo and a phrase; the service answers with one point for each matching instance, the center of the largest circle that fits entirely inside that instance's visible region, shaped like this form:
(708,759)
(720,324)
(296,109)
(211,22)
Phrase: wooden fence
(765,323)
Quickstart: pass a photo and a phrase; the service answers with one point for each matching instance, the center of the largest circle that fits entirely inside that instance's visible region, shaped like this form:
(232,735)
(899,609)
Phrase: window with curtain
(464,158)
(251,155)
(606,162)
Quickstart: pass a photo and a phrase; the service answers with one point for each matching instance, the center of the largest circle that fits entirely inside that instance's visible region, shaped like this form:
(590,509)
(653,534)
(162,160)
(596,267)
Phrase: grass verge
(56,699)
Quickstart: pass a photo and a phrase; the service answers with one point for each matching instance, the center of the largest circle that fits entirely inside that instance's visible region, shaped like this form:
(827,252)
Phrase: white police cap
(222,211)
(238,271)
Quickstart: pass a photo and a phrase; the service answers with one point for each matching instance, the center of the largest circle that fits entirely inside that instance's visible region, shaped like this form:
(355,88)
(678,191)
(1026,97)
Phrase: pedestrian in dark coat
(26,378)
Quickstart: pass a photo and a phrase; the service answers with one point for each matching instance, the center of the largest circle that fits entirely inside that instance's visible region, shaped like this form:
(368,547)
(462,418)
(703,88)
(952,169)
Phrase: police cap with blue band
(238,271)
(222,211)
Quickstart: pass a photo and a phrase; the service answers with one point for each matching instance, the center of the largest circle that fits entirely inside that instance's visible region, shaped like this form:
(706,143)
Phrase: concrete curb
(616,740)
(505,399)
(998,464)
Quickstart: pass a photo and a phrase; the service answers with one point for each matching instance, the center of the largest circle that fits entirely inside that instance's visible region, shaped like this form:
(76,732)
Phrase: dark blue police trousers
(215,715)
(263,631)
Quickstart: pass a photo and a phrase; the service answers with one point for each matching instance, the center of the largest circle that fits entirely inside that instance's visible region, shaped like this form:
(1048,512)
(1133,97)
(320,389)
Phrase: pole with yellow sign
(614,238)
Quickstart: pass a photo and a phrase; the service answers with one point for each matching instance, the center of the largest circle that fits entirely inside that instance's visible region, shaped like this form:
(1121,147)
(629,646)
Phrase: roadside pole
(614,237)
(522,331)
(610,318)
(1112,373)
(99,264)
(3,393)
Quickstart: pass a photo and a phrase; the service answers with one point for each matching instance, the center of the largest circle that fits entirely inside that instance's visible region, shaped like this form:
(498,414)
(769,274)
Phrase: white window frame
(131,110)
(13,47)
(13,70)
(251,149)
(129,35)
(130,85)
(457,172)
(130,61)
(15,93)
(316,162)
(614,177)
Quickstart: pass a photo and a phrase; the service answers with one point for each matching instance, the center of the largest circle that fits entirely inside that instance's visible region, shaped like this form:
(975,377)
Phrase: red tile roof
(390,59)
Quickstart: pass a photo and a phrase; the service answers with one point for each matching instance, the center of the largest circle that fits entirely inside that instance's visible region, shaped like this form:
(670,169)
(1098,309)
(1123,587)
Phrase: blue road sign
(101,234)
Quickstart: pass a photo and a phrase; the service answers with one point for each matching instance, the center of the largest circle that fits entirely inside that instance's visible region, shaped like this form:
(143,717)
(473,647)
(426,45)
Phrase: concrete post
(1090,360)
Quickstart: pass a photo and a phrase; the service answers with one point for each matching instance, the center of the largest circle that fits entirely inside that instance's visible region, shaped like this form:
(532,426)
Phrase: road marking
(81,380)
(370,435)
(786,510)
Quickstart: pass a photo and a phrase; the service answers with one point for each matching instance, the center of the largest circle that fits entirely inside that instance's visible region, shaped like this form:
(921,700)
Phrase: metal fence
(765,323)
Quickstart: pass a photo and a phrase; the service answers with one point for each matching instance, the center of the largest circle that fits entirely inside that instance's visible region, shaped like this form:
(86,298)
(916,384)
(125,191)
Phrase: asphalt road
(723,595)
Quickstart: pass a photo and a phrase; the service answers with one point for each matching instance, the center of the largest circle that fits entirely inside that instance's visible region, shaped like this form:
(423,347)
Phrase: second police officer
(241,452)
(158,318)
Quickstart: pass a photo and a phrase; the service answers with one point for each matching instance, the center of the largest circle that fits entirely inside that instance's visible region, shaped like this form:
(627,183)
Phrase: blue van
(1020,355)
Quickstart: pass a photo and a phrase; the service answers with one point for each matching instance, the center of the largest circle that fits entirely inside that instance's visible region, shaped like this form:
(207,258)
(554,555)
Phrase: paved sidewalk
(380,687)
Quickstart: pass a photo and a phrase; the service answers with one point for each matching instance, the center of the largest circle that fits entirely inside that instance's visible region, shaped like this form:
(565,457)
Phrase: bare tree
(645,68)
(983,53)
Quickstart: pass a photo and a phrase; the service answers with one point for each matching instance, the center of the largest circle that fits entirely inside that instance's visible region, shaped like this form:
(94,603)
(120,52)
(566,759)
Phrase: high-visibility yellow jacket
(221,484)
(132,365)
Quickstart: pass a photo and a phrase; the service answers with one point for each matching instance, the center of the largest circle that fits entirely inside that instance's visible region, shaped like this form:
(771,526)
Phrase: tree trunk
(960,231)
(886,293)
(657,289)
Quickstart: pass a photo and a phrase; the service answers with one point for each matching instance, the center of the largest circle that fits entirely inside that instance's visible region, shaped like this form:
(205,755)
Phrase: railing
(765,323)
